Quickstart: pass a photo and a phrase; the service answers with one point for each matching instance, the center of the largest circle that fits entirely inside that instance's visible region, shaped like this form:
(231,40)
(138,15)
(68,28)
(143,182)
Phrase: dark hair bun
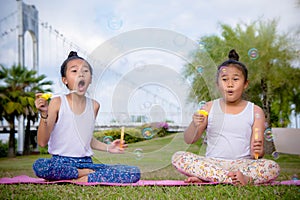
(72,54)
(233,55)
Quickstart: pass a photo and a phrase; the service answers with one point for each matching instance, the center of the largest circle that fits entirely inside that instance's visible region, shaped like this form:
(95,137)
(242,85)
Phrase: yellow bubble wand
(256,138)
(48,96)
(122,136)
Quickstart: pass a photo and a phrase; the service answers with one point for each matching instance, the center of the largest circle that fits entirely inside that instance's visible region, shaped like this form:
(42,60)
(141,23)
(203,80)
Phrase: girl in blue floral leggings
(62,168)
(67,125)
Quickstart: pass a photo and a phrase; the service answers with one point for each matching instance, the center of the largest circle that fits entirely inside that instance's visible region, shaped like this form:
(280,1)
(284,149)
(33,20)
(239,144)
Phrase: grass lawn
(153,157)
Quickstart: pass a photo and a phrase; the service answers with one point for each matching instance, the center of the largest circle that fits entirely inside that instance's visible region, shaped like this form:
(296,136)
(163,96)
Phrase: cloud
(88,25)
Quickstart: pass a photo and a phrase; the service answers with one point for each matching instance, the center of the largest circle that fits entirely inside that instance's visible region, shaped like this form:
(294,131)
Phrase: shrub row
(131,135)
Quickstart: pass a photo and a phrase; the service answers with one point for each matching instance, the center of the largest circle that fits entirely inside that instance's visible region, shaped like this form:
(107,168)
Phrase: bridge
(130,81)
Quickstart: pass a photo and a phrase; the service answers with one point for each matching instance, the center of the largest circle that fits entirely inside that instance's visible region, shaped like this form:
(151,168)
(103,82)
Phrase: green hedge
(3,149)
(132,135)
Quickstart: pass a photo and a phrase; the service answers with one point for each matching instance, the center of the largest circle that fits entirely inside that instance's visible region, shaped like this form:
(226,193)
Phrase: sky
(88,24)
(130,40)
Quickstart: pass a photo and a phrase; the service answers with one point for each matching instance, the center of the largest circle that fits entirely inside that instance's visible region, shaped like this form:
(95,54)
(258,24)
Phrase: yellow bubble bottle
(46,96)
(256,138)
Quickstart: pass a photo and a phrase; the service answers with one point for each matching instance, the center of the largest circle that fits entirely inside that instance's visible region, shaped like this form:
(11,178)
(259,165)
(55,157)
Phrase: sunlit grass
(155,164)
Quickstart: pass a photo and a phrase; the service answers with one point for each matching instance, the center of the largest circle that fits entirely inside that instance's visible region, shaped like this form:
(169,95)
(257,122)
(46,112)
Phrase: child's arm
(48,115)
(100,146)
(117,146)
(258,128)
(114,147)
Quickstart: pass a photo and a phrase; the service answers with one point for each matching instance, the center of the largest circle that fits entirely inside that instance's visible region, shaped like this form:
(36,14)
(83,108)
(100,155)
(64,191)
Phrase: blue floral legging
(216,170)
(66,168)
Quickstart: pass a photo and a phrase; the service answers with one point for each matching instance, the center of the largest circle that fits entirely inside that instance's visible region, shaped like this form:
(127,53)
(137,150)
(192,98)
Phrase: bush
(3,149)
(132,135)
(159,129)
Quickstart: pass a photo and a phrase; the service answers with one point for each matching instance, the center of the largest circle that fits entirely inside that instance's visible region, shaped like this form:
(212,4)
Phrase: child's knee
(178,160)
(38,167)
(177,155)
(36,164)
(274,169)
(136,174)
(116,174)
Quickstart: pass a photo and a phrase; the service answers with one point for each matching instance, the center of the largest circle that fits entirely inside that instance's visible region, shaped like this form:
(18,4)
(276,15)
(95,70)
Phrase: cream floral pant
(216,170)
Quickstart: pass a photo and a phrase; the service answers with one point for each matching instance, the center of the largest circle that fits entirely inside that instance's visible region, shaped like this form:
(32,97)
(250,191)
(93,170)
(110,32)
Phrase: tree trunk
(11,142)
(266,106)
(27,137)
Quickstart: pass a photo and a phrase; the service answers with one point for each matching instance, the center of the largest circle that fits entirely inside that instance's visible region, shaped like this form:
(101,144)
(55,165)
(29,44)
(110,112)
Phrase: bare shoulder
(208,105)
(258,109)
(96,104)
(54,107)
(55,102)
(56,99)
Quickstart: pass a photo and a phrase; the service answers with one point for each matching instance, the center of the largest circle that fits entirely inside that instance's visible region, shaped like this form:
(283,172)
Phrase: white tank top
(229,135)
(72,134)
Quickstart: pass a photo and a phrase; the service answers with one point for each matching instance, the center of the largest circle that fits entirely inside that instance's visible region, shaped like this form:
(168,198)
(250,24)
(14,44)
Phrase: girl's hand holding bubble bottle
(201,111)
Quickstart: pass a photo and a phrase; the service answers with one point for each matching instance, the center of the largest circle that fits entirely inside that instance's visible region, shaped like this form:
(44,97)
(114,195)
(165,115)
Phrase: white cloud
(89,24)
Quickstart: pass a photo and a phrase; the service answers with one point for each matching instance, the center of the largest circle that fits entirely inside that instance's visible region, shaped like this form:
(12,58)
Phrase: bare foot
(193,179)
(238,178)
(83,175)
(84,172)
(83,179)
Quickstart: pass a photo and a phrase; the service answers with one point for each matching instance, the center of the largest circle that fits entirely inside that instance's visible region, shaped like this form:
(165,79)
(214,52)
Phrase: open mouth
(230,92)
(81,84)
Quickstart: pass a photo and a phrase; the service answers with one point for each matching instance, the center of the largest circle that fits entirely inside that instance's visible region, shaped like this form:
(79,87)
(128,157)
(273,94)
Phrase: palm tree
(31,114)
(18,89)
(2,88)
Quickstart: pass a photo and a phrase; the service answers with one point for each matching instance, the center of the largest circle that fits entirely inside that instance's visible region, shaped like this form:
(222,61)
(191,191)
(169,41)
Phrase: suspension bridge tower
(27,21)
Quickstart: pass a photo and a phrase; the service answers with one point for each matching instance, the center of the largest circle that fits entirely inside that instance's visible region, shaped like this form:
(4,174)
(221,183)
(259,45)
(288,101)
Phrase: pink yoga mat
(29,180)
(23,179)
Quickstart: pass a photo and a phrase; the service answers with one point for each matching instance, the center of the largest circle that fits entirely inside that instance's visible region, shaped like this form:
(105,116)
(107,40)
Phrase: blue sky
(95,22)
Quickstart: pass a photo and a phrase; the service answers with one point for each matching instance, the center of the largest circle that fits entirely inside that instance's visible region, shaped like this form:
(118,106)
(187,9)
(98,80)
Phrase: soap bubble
(275,155)
(114,23)
(180,40)
(266,125)
(224,70)
(253,53)
(108,139)
(138,153)
(201,46)
(125,67)
(268,134)
(147,133)
(201,104)
(200,70)
(295,177)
